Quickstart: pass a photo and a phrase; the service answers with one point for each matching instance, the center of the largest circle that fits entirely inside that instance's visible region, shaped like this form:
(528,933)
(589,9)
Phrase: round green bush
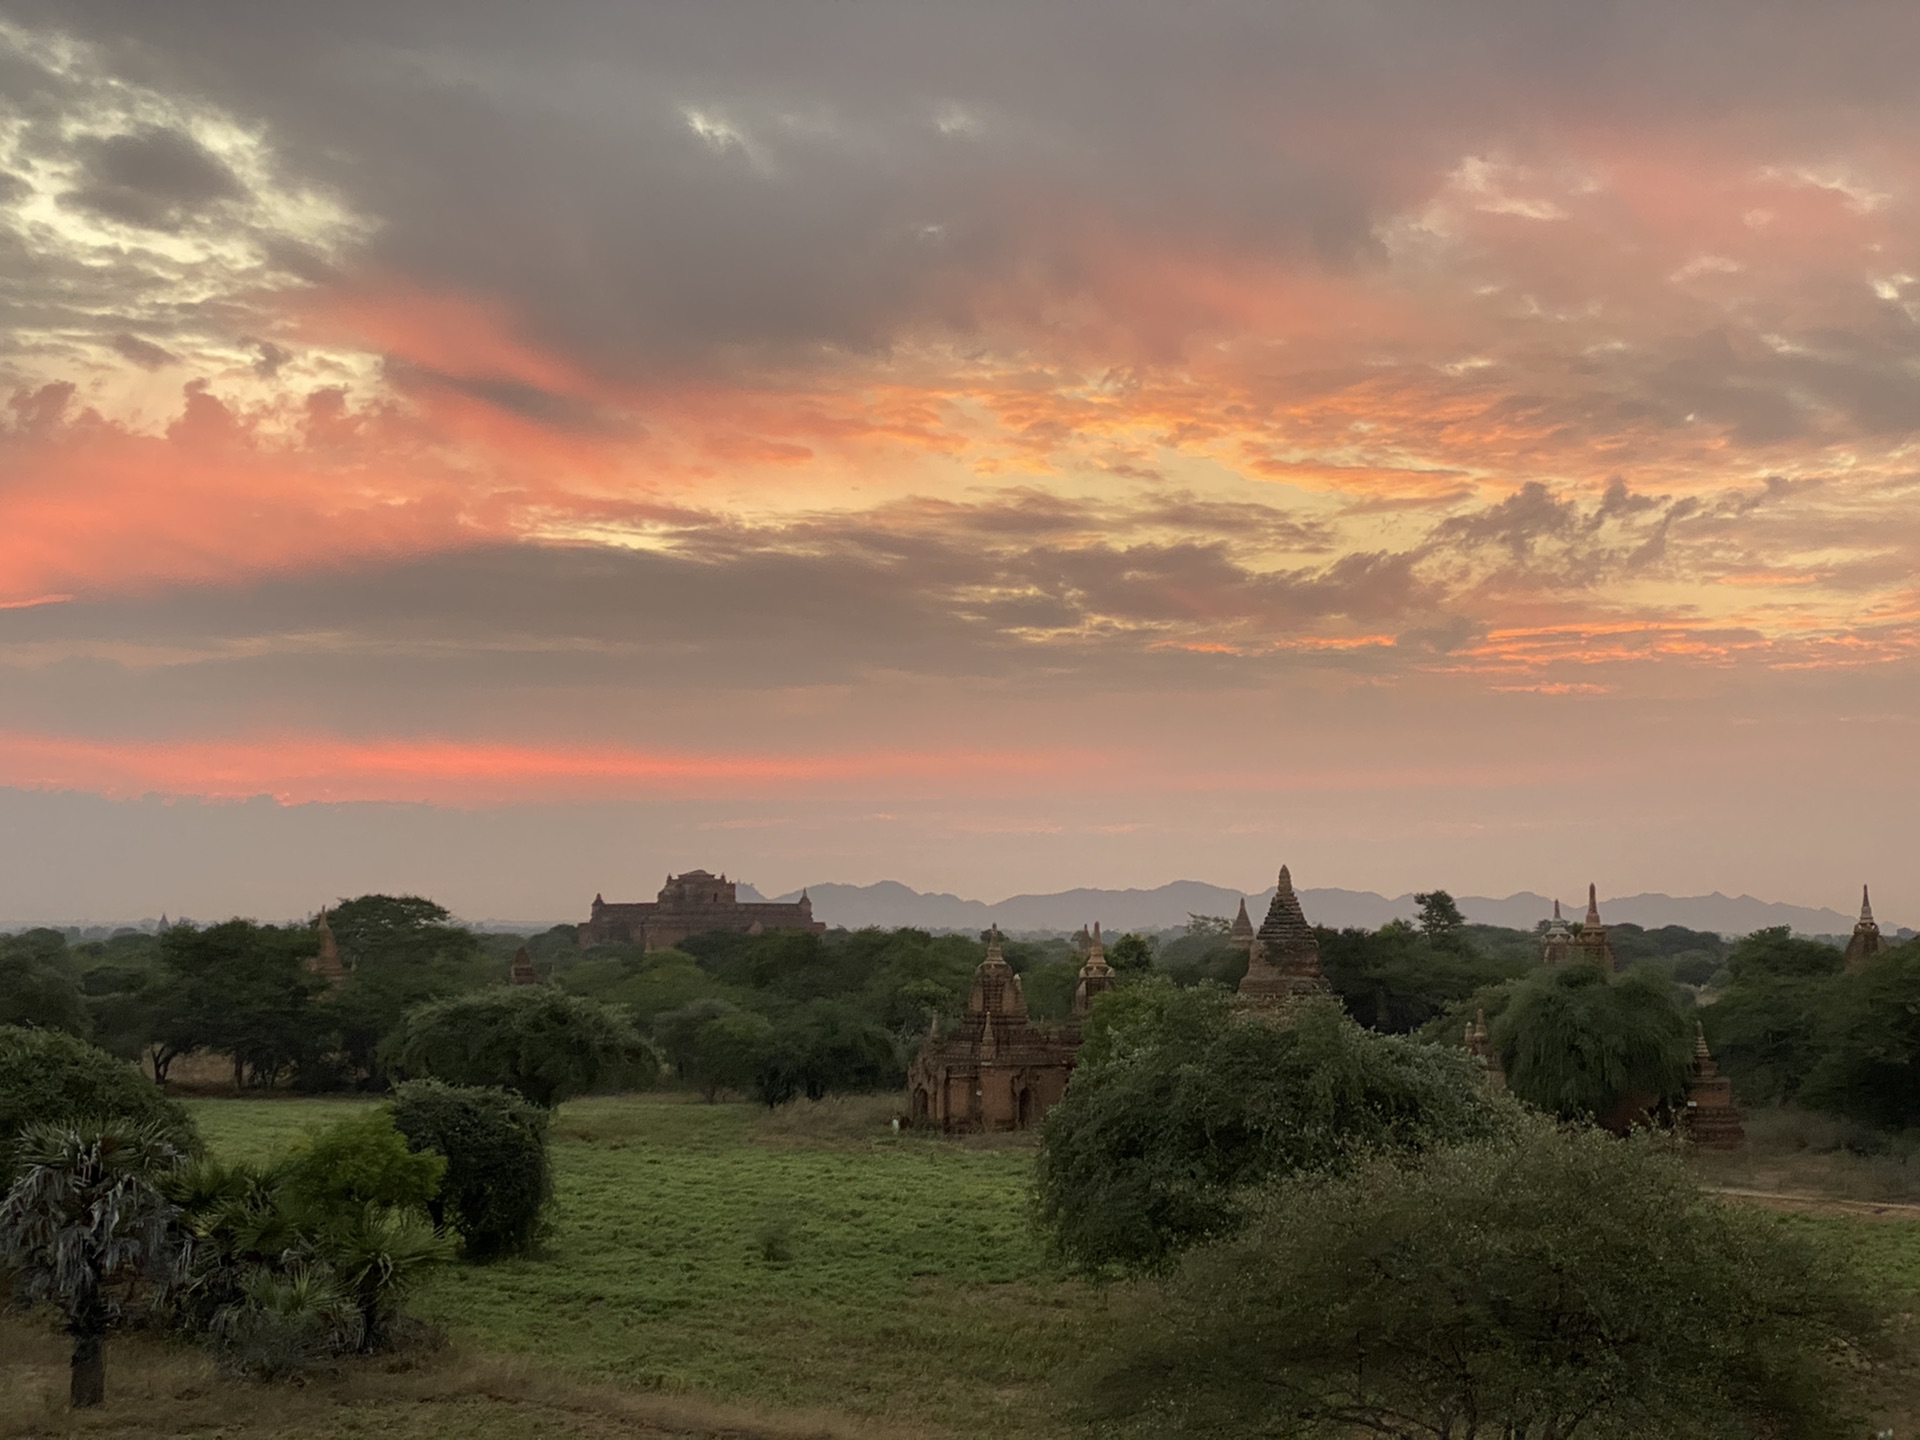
(50,1076)
(498,1179)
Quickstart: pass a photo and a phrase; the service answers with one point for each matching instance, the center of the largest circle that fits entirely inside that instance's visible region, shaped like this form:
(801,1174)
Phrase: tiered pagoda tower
(1284,966)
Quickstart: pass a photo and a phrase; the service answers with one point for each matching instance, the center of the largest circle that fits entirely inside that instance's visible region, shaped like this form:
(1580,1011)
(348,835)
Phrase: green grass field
(714,1270)
(816,1263)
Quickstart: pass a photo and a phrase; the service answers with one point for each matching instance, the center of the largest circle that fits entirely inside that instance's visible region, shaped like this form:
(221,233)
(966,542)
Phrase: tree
(50,1077)
(532,1039)
(825,1048)
(498,1179)
(1440,919)
(1396,979)
(1217,925)
(1766,1028)
(38,986)
(713,1046)
(1581,1044)
(1178,1110)
(1543,1284)
(1131,954)
(84,1226)
(1866,1038)
(400,952)
(242,990)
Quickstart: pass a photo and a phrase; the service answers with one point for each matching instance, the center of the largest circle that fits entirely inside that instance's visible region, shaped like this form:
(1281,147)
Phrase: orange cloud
(301,768)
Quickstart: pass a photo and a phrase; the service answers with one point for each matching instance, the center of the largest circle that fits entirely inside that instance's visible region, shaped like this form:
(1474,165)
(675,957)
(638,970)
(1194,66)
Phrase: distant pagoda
(1592,943)
(1556,941)
(326,965)
(1865,942)
(1240,937)
(1096,976)
(523,972)
(1712,1122)
(1284,966)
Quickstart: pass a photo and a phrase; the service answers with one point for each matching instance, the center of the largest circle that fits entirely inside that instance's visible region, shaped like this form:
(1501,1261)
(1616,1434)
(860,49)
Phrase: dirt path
(1821,1204)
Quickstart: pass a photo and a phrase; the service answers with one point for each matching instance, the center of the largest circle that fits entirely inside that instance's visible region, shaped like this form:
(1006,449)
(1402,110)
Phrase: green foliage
(1202,954)
(85,1225)
(50,1077)
(1440,919)
(286,1321)
(1868,1043)
(1131,954)
(340,1217)
(400,952)
(532,1039)
(498,1179)
(1768,1029)
(1580,1044)
(826,1047)
(647,985)
(361,1160)
(1540,1283)
(1178,1106)
(38,984)
(242,990)
(714,1046)
(1397,979)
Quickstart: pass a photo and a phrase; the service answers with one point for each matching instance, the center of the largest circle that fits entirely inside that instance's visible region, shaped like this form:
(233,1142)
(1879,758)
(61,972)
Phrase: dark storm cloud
(153,177)
(657,183)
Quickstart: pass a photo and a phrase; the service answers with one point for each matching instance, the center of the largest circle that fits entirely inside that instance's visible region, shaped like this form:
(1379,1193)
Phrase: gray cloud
(153,177)
(144,353)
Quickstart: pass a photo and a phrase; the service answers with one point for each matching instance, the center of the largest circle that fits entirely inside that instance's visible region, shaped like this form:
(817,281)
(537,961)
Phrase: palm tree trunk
(89,1379)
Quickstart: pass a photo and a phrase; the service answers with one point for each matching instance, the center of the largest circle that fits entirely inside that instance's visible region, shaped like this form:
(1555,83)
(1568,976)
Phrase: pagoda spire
(1593,904)
(1556,909)
(1866,907)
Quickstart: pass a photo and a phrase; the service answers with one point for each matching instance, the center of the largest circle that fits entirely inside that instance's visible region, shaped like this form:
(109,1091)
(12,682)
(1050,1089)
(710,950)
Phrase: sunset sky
(509,451)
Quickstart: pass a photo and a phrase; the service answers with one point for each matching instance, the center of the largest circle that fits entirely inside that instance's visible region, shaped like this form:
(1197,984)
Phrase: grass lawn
(810,1262)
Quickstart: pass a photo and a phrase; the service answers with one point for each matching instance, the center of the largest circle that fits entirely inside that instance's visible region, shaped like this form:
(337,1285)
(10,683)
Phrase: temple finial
(1556,909)
(1866,907)
(1593,904)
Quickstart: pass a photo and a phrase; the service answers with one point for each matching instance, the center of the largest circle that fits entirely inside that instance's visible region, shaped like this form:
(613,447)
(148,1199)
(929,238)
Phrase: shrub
(50,1077)
(1545,1282)
(285,1322)
(362,1160)
(498,1179)
(1178,1106)
(532,1039)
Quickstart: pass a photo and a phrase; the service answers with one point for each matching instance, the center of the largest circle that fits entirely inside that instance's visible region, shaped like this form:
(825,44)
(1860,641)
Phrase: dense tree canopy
(533,1040)
(1178,1107)
(1579,1043)
(54,1078)
(1541,1283)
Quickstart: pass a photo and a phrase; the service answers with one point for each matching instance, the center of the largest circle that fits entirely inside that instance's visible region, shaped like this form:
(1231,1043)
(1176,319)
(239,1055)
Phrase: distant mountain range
(1167,907)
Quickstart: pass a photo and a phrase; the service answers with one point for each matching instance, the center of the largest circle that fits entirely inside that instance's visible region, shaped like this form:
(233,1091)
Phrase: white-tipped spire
(1866,907)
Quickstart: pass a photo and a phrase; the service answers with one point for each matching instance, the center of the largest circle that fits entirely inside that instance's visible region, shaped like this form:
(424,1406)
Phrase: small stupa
(1480,1047)
(1592,943)
(1096,976)
(523,972)
(1712,1122)
(1556,943)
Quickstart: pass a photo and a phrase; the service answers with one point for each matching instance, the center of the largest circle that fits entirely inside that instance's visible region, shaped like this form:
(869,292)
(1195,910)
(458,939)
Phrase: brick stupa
(1284,967)
(1712,1121)
(327,963)
(1240,937)
(1865,942)
(523,972)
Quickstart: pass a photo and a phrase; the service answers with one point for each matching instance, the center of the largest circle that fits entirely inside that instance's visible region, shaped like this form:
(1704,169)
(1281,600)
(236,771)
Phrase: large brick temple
(693,903)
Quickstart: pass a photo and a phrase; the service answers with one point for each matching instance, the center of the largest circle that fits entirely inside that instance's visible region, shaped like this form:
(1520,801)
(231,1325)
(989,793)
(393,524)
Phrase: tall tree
(85,1225)
(1581,1044)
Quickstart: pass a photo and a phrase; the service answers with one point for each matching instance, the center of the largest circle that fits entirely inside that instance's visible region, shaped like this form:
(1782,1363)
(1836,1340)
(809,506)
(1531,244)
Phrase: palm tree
(85,1225)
